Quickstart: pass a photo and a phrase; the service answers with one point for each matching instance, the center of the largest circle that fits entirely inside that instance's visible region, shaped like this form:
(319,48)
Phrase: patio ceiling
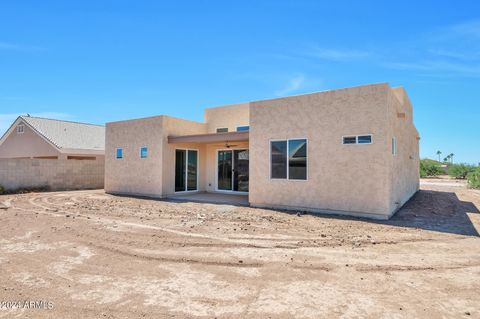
(210,138)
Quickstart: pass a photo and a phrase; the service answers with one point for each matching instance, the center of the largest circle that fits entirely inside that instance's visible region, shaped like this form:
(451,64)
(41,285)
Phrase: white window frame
(356,139)
(236,128)
(186,170)
(288,168)
(140,152)
(394,146)
(116,152)
(221,127)
(22,130)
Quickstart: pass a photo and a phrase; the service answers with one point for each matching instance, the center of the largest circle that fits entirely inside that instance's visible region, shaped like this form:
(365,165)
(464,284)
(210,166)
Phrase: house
(350,151)
(39,152)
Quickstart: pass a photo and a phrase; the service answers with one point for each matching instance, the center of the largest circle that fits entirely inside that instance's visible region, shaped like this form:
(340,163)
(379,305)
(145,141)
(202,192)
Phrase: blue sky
(100,61)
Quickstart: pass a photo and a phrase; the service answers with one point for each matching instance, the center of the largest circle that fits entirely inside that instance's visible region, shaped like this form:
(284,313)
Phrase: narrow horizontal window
(143,152)
(81,158)
(349,140)
(364,139)
(119,153)
(222,130)
(243,128)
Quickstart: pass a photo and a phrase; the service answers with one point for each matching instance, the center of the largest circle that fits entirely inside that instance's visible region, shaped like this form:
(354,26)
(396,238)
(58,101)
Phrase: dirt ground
(92,255)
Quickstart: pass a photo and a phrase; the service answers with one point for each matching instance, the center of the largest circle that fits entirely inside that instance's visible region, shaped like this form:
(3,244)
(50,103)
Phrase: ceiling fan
(229,145)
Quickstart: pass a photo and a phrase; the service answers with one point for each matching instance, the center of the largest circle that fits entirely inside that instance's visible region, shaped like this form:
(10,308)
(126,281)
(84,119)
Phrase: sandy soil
(94,255)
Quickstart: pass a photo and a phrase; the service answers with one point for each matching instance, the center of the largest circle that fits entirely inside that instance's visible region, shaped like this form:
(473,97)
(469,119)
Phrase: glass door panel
(180,156)
(240,170)
(225,170)
(186,170)
(192,170)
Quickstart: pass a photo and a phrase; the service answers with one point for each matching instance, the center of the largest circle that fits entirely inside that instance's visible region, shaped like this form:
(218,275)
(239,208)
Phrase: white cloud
(7,119)
(293,85)
(338,54)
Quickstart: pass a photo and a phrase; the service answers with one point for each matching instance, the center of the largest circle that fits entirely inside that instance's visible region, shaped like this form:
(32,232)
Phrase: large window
(288,159)
(186,170)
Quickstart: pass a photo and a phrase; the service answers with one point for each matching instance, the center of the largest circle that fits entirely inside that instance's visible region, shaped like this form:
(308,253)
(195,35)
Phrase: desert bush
(473,178)
(460,170)
(429,168)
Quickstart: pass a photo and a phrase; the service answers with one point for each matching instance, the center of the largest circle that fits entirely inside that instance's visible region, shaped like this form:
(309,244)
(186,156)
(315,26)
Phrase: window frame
(20,126)
(146,154)
(356,139)
(186,170)
(247,130)
(116,152)
(220,128)
(287,159)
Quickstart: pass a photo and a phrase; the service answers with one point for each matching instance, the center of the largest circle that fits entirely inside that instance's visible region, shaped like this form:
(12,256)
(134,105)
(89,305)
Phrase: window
(119,153)
(349,140)
(20,129)
(243,128)
(222,130)
(364,139)
(143,152)
(288,159)
(394,146)
(358,139)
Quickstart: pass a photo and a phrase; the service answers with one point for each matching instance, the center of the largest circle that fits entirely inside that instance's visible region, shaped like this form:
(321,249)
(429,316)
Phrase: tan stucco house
(41,152)
(350,151)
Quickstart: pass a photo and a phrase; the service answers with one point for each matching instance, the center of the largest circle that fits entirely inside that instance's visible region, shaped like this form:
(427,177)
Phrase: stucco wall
(55,174)
(132,174)
(230,116)
(27,144)
(405,164)
(347,178)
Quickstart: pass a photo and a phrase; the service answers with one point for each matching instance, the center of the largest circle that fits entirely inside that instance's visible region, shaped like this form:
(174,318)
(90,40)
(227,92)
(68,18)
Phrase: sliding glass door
(232,170)
(186,170)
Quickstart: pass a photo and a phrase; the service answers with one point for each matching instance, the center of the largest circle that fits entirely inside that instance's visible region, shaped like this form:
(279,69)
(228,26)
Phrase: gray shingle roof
(69,135)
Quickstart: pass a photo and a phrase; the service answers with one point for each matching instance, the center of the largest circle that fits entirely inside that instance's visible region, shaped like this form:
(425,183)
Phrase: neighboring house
(350,151)
(39,152)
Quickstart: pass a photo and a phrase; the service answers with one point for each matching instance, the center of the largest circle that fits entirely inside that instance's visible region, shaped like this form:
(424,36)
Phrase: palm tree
(451,157)
(439,153)
(445,160)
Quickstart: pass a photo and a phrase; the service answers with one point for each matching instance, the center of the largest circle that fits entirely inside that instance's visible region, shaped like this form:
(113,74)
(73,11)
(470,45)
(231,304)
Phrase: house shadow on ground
(437,211)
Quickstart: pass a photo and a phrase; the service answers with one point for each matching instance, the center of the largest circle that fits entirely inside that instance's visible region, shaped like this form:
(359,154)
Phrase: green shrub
(473,178)
(460,170)
(430,168)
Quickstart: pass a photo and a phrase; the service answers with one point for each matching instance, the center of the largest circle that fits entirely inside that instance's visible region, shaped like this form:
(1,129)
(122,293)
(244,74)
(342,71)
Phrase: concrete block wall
(61,174)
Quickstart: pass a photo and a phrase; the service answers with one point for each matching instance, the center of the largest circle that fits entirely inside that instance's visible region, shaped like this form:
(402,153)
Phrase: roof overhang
(210,138)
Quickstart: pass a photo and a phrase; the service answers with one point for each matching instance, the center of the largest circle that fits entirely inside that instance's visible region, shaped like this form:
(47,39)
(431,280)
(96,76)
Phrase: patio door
(186,170)
(232,171)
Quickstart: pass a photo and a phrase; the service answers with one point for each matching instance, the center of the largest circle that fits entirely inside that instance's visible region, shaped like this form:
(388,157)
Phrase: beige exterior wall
(152,176)
(230,116)
(404,165)
(26,144)
(342,178)
(58,174)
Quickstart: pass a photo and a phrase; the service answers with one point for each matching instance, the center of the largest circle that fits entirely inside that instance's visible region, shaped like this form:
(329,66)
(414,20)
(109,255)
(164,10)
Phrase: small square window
(349,140)
(222,130)
(364,139)
(143,152)
(243,128)
(119,153)
(20,129)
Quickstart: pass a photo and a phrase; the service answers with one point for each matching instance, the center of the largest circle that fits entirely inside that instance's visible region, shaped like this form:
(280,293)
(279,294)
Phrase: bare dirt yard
(92,255)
